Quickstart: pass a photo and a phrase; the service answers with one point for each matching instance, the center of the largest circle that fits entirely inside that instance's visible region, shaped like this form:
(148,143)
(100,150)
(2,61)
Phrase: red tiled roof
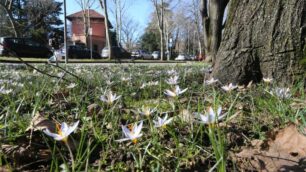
(92,14)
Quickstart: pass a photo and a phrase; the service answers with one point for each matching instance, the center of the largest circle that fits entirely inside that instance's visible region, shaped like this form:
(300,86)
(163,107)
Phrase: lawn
(45,60)
(143,118)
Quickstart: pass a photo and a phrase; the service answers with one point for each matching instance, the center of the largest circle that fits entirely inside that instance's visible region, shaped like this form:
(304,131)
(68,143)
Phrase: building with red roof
(97,26)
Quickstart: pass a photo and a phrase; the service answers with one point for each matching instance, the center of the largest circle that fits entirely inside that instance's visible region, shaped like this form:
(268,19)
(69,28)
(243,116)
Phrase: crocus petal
(64,128)
(204,119)
(122,140)
(221,117)
(138,128)
(117,97)
(170,93)
(71,129)
(211,111)
(137,136)
(181,92)
(55,136)
(126,131)
(168,121)
(219,110)
(103,98)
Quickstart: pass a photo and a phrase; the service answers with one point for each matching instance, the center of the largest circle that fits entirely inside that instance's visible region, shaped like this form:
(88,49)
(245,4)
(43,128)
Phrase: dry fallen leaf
(285,152)
(40,123)
(93,109)
(4,169)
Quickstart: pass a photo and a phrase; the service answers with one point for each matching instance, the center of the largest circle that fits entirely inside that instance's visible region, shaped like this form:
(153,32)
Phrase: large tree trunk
(262,38)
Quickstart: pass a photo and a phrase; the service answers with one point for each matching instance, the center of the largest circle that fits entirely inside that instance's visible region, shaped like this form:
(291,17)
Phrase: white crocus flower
(71,85)
(125,79)
(176,92)
(61,74)
(172,80)
(5,91)
(172,72)
(211,81)
(143,86)
(152,83)
(283,93)
(146,111)
(267,80)
(131,132)
(229,87)
(109,98)
(162,122)
(63,132)
(108,82)
(212,117)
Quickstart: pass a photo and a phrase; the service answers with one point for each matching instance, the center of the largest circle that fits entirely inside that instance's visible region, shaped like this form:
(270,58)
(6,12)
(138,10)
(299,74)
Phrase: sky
(139,10)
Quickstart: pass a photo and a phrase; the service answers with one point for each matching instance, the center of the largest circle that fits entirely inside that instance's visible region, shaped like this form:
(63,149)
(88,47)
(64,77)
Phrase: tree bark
(103,4)
(262,38)
(212,16)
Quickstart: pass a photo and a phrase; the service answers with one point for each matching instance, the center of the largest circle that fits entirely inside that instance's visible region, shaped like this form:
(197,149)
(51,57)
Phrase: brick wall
(98,32)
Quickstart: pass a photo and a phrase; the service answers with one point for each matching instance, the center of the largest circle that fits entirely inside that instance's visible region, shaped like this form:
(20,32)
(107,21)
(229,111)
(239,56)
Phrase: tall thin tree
(212,12)
(103,4)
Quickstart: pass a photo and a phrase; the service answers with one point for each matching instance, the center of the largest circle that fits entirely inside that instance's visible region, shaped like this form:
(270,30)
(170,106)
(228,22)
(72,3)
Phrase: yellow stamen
(130,127)
(134,141)
(59,131)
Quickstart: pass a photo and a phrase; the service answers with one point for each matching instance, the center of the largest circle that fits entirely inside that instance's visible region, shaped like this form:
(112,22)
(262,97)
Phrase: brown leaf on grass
(93,109)
(61,95)
(186,116)
(23,154)
(40,123)
(298,104)
(283,151)
(4,169)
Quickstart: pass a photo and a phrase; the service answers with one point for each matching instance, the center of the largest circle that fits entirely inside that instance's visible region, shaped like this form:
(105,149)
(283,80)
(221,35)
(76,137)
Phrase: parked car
(76,52)
(81,52)
(141,54)
(118,53)
(23,47)
(156,54)
(190,57)
(180,57)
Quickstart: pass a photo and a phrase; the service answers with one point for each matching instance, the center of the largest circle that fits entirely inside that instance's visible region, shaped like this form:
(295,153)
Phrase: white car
(155,55)
(60,53)
(180,57)
(141,54)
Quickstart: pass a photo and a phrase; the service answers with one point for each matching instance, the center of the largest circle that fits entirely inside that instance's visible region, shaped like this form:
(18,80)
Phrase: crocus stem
(71,156)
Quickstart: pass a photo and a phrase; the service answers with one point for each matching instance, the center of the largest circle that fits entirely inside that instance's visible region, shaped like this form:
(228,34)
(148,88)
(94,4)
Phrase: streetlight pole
(65,34)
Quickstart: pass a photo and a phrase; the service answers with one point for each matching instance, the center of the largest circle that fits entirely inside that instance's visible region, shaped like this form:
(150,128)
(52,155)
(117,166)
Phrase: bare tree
(103,4)
(212,12)
(129,33)
(6,5)
(197,21)
(86,5)
(120,10)
(159,10)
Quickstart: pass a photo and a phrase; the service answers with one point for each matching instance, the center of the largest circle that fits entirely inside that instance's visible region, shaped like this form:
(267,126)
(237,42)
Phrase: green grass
(184,144)
(44,60)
